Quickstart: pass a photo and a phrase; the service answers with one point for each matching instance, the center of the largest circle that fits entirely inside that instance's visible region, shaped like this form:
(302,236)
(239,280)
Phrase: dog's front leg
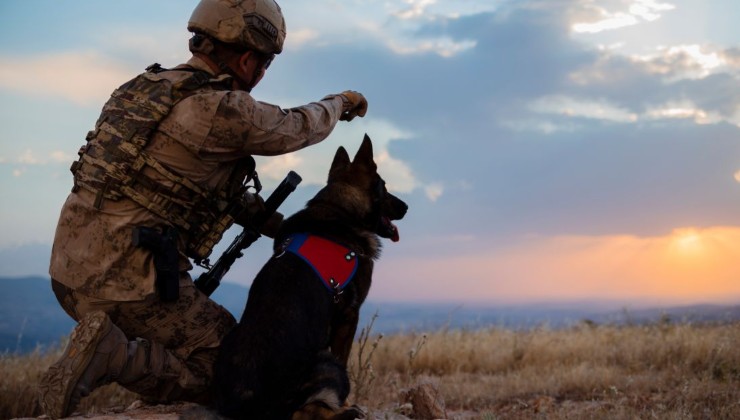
(343,334)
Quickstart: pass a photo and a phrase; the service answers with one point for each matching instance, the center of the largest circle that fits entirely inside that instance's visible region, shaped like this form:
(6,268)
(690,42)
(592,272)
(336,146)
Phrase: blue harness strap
(335,264)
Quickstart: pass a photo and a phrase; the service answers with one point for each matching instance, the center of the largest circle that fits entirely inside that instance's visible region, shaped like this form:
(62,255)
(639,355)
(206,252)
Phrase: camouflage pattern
(196,148)
(113,164)
(204,138)
(251,24)
(175,344)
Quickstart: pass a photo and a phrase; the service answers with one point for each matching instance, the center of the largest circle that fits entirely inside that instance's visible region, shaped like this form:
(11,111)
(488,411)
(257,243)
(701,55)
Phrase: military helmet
(251,24)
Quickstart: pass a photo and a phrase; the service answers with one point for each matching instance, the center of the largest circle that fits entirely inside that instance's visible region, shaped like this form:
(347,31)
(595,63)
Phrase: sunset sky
(549,150)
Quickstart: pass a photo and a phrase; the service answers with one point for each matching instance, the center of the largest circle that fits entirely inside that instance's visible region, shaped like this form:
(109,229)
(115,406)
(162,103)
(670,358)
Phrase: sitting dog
(287,357)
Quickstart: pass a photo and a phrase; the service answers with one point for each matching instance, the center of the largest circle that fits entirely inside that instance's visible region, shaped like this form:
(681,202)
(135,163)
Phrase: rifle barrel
(208,282)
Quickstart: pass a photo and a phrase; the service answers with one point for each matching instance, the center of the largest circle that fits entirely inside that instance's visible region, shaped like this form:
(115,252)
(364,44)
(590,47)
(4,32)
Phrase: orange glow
(687,242)
(687,265)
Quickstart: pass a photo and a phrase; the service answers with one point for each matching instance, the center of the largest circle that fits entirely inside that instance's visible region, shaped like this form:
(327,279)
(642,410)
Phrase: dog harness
(335,264)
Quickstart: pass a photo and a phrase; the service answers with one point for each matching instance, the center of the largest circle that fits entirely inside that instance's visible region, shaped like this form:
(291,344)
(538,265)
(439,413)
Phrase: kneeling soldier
(163,174)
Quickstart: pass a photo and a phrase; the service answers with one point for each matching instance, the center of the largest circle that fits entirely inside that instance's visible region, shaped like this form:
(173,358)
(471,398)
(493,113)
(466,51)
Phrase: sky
(549,150)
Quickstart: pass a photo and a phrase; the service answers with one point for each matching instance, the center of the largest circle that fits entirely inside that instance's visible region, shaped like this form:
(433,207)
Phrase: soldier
(170,153)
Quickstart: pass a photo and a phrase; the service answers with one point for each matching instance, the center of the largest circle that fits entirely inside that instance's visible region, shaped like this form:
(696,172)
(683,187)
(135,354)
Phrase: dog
(287,357)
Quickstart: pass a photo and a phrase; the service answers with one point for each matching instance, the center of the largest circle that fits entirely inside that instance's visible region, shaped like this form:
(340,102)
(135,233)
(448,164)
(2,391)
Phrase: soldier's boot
(98,353)
(162,377)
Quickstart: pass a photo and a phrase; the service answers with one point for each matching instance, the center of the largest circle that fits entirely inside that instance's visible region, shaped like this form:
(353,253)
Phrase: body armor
(113,164)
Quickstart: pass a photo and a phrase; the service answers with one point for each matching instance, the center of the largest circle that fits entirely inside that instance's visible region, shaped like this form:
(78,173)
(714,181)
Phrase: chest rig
(113,163)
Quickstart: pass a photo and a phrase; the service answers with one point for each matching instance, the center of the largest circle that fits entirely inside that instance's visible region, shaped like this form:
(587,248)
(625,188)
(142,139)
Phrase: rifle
(209,281)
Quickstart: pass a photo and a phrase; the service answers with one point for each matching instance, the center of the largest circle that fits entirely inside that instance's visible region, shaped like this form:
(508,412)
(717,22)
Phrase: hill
(663,370)
(31,318)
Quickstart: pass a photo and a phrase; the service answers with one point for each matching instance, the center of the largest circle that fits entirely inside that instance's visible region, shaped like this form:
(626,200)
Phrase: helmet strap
(201,44)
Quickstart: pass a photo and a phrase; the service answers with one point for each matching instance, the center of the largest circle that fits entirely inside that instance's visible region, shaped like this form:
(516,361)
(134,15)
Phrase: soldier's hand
(272,225)
(354,105)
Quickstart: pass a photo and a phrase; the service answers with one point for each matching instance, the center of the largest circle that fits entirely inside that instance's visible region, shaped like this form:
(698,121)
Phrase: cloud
(84,78)
(690,61)
(313,162)
(61,157)
(139,48)
(600,109)
(300,38)
(686,265)
(434,191)
(445,47)
(683,110)
(609,22)
(688,81)
(30,157)
(616,157)
(416,9)
(591,18)
(394,27)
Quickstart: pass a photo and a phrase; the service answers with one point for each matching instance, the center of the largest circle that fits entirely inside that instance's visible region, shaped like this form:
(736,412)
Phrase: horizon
(595,304)
(549,151)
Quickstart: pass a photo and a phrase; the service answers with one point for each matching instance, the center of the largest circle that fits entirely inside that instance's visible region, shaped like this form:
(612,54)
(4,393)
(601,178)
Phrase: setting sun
(687,241)
(687,264)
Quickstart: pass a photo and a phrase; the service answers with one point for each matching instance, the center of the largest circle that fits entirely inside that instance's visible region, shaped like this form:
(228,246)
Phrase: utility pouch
(163,245)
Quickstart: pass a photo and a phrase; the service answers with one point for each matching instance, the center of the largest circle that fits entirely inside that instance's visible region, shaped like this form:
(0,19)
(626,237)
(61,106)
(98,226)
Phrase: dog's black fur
(287,357)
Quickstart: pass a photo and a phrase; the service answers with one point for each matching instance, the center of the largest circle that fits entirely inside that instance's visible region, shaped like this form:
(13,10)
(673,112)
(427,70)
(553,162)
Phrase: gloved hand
(272,225)
(354,104)
(254,205)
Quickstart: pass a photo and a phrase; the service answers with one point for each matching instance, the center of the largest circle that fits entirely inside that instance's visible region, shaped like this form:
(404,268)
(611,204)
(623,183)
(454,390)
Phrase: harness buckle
(336,287)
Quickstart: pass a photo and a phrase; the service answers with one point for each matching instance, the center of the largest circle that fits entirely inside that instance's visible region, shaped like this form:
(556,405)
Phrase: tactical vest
(113,164)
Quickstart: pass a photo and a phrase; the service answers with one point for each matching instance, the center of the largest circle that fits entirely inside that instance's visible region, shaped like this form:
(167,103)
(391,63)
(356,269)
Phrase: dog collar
(335,264)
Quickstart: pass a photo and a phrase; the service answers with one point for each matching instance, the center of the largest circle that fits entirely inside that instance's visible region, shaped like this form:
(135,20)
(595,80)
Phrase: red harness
(334,264)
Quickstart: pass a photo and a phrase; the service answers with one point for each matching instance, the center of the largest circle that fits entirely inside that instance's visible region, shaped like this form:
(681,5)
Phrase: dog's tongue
(394,236)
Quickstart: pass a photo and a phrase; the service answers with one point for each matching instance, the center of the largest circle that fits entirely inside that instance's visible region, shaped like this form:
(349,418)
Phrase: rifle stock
(210,280)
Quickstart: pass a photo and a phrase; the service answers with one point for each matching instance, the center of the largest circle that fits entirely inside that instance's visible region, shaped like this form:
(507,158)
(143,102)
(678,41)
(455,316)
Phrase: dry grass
(662,371)
(21,374)
(656,371)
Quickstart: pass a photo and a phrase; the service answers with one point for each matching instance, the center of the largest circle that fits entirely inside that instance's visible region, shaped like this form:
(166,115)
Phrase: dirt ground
(536,407)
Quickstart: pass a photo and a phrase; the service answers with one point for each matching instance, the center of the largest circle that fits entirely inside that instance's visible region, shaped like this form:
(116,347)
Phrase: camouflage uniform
(94,265)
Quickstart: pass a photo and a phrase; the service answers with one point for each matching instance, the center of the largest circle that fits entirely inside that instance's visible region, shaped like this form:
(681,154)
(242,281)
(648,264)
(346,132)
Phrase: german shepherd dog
(287,357)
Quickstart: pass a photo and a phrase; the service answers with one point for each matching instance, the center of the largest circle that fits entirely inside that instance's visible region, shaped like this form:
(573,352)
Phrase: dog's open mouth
(388,229)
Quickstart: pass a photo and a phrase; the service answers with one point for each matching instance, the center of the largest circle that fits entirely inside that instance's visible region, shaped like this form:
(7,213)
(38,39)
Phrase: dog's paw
(350,413)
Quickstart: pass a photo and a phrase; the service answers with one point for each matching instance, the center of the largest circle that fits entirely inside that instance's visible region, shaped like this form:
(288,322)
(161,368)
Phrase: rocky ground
(420,402)
(190,411)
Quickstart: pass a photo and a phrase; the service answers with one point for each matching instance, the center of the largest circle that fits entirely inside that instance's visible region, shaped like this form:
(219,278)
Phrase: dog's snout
(399,208)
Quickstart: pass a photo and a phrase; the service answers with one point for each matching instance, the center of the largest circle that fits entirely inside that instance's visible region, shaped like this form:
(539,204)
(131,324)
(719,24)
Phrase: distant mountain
(30,315)
(413,317)
(31,318)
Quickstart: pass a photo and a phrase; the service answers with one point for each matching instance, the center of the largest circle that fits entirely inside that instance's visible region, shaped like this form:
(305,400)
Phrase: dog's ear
(341,161)
(364,154)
